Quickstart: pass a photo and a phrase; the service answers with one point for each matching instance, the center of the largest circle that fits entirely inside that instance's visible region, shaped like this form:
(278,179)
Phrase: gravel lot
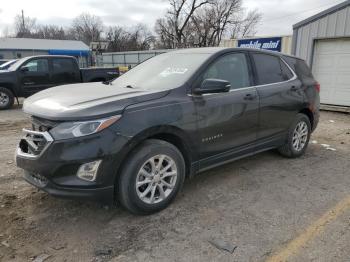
(264,205)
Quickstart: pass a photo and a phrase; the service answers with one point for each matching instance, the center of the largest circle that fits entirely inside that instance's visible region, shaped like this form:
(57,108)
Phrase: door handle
(249,97)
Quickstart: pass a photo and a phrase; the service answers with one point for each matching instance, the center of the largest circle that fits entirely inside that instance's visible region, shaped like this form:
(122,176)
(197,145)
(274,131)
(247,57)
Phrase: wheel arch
(170,134)
(10,87)
(309,114)
(180,144)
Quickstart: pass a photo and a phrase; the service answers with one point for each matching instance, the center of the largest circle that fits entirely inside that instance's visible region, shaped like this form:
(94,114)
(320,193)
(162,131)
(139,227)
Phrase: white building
(14,48)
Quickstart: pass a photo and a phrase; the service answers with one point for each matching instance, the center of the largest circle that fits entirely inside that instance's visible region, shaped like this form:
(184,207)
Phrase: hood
(6,76)
(5,73)
(85,101)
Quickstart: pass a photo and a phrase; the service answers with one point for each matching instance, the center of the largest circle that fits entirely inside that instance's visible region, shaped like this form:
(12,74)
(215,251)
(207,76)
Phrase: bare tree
(117,38)
(206,25)
(135,38)
(247,26)
(50,32)
(142,37)
(177,19)
(212,22)
(87,28)
(166,34)
(24,25)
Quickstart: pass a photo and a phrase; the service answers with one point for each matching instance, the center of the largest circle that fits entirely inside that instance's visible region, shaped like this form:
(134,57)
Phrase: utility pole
(23,23)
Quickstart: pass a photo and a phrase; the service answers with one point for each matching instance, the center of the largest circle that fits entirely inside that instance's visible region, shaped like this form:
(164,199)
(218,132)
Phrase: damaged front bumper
(52,165)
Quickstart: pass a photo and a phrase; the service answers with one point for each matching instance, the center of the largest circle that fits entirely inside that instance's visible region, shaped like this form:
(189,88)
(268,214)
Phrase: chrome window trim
(47,137)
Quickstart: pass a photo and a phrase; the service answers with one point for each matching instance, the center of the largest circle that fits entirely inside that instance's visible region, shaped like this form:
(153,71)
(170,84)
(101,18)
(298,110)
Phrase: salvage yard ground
(268,207)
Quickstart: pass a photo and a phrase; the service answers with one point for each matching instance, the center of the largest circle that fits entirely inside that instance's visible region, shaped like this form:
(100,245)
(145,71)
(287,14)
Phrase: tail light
(318,87)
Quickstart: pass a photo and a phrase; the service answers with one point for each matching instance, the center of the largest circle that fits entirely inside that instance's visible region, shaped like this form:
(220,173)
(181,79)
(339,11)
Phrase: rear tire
(298,137)
(6,98)
(151,177)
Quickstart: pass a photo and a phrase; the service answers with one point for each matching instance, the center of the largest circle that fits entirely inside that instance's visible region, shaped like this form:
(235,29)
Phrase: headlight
(68,130)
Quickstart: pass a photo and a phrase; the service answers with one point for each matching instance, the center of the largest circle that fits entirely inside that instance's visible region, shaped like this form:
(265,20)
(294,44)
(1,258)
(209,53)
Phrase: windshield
(165,71)
(17,64)
(6,65)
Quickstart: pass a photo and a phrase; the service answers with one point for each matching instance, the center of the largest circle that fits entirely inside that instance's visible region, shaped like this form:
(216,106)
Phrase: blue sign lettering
(273,44)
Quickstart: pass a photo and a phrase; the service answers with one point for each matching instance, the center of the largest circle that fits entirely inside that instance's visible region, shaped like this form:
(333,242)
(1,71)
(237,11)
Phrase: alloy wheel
(300,136)
(156,179)
(4,99)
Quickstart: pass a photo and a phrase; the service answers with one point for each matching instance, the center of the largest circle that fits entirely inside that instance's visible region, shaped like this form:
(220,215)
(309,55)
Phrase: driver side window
(232,68)
(37,65)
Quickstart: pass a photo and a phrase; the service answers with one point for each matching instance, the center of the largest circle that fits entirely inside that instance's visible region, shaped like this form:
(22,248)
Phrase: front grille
(32,143)
(37,140)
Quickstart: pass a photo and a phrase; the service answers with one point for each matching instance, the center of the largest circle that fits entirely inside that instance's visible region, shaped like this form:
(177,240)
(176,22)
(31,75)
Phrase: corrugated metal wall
(334,25)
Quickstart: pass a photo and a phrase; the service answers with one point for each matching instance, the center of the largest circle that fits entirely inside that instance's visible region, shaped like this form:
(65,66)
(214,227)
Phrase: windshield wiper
(129,86)
(108,82)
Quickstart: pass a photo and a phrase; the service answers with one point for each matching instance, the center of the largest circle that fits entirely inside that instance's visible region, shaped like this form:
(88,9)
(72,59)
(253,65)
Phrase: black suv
(136,139)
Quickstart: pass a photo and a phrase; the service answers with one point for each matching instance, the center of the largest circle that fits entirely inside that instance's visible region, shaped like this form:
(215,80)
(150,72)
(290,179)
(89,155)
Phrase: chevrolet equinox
(134,140)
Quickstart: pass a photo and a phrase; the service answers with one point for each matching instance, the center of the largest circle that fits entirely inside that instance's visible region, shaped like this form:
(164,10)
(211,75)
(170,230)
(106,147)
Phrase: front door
(34,75)
(227,122)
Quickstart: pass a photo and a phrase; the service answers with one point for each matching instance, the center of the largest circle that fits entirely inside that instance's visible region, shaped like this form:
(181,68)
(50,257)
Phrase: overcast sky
(278,15)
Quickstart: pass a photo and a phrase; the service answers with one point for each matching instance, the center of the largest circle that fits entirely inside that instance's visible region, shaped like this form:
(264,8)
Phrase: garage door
(331,68)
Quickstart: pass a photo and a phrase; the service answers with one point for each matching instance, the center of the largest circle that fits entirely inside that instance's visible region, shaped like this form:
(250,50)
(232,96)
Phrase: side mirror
(212,86)
(24,69)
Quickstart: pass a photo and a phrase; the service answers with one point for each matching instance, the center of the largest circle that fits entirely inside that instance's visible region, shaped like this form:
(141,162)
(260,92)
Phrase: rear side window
(62,65)
(299,67)
(232,68)
(64,71)
(269,69)
(287,74)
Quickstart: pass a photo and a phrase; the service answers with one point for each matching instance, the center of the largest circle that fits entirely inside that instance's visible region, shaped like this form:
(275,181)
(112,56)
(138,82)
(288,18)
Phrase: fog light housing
(88,171)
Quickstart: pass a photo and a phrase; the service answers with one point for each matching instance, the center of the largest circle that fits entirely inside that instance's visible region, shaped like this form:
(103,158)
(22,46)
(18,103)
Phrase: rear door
(227,122)
(281,96)
(34,75)
(64,71)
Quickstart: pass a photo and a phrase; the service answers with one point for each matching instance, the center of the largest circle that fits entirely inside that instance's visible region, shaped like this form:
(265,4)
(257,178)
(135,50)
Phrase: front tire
(6,98)
(298,137)
(151,177)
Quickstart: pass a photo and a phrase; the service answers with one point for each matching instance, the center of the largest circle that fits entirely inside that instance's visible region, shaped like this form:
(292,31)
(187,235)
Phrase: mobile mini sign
(272,44)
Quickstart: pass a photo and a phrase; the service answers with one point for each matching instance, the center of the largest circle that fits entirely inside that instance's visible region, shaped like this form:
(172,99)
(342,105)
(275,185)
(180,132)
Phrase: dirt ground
(265,207)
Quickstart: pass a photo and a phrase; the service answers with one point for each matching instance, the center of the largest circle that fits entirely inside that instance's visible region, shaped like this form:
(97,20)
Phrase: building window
(19,55)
